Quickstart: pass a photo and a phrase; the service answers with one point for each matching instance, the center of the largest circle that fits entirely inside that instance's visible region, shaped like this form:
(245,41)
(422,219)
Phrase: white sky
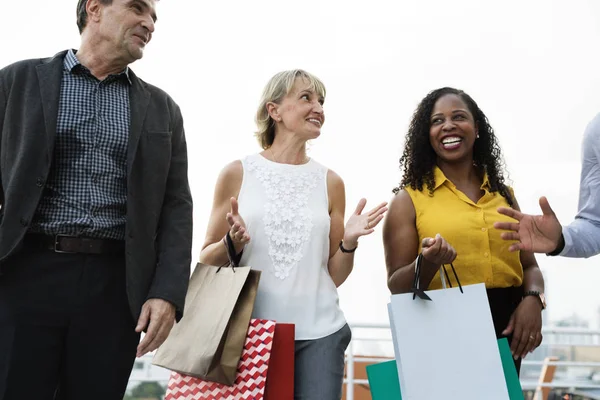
(531,65)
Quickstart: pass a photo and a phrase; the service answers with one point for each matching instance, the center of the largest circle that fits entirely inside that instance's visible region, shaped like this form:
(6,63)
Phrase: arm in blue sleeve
(582,236)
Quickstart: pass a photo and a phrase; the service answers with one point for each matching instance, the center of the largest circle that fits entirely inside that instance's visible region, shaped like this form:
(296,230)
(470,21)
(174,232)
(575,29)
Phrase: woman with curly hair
(445,208)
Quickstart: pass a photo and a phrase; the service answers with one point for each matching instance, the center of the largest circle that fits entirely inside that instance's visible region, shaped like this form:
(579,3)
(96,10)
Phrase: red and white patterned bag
(251,375)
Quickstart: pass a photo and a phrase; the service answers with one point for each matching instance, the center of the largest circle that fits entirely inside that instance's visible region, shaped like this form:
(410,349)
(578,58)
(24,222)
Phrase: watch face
(543,300)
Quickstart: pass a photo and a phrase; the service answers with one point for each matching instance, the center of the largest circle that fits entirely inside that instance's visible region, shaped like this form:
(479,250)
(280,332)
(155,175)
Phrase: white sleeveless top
(285,208)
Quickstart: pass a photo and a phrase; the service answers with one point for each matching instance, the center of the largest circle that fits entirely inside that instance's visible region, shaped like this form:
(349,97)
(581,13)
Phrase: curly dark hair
(419,158)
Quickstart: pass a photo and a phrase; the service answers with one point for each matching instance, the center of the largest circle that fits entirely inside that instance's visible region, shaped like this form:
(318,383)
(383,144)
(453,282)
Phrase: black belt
(75,244)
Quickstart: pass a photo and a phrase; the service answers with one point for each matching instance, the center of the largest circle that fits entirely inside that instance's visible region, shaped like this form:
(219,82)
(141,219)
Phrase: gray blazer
(159,204)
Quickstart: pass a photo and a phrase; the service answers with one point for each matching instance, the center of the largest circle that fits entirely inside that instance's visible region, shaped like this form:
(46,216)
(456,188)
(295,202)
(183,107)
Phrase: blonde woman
(285,212)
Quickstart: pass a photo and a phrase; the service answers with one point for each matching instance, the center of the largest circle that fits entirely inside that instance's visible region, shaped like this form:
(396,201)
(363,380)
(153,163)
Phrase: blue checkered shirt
(86,190)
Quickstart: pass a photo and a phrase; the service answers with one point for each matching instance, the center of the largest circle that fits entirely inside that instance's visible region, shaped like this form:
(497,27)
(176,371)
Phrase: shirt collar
(72,64)
(486,182)
(440,179)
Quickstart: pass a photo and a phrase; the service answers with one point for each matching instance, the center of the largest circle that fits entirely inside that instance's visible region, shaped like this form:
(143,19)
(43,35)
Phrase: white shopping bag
(446,347)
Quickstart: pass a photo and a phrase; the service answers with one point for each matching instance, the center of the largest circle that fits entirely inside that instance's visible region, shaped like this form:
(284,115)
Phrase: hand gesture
(157,318)
(237,227)
(526,326)
(536,233)
(363,224)
(437,251)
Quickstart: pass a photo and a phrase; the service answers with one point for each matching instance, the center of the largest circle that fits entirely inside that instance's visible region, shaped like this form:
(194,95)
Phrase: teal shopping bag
(384,384)
(383,381)
(510,372)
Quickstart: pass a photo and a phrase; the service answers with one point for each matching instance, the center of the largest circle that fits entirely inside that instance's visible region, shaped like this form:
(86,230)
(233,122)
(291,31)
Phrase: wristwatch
(537,294)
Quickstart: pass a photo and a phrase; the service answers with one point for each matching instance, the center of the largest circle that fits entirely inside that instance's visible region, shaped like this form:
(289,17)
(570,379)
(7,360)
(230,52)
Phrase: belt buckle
(56,239)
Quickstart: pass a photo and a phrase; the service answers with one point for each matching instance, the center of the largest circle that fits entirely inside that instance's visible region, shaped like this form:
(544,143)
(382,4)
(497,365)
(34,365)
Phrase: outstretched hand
(536,233)
(360,224)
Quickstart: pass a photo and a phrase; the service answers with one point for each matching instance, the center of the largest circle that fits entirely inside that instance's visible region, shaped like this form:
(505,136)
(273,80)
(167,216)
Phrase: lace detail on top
(287,218)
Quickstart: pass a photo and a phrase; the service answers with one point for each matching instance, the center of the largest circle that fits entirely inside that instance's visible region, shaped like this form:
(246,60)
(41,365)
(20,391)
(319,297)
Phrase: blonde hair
(278,87)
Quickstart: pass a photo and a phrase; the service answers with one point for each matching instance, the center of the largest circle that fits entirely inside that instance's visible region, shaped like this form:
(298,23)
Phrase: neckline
(265,159)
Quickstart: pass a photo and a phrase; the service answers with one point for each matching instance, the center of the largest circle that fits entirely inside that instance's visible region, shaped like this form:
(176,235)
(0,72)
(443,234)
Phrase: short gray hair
(82,12)
(82,15)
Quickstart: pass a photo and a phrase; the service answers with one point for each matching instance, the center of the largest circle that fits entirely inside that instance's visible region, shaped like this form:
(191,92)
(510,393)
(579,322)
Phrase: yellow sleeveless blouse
(482,255)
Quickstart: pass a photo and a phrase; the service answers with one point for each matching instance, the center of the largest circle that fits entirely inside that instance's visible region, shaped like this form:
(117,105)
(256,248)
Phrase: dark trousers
(503,302)
(66,331)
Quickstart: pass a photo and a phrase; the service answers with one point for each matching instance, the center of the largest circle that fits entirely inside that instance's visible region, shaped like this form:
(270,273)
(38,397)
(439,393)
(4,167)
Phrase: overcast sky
(533,67)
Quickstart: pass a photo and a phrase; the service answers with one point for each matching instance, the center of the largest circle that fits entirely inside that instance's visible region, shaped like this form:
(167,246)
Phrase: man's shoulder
(595,122)
(20,67)
(591,136)
(26,66)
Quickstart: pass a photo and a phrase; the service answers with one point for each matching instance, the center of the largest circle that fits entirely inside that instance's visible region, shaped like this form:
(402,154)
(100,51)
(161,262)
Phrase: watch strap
(536,294)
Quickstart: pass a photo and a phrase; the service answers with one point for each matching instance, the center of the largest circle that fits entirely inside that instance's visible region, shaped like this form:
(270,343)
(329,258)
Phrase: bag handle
(418,292)
(445,273)
(234,259)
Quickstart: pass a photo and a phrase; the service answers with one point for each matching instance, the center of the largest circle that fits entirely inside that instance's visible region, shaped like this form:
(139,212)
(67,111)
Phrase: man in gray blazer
(96,212)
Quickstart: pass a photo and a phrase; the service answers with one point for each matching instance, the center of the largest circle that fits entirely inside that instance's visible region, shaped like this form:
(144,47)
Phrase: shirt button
(39,182)
(485,254)
(24,222)
(95,179)
(483,229)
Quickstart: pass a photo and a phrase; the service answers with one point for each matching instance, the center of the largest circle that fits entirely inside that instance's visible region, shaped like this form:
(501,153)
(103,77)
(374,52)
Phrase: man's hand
(536,233)
(157,318)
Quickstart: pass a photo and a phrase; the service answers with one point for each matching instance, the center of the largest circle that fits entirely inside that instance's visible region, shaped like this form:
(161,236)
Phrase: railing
(550,339)
(553,337)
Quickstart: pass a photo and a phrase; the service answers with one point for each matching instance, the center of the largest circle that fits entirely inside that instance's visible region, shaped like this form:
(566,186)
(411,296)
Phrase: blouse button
(485,254)
(483,229)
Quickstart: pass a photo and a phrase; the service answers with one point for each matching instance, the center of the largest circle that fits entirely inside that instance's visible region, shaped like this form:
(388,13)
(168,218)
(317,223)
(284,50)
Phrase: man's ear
(94,10)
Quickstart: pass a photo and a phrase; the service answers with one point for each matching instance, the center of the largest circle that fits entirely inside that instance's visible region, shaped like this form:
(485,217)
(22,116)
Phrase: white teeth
(451,140)
(315,121)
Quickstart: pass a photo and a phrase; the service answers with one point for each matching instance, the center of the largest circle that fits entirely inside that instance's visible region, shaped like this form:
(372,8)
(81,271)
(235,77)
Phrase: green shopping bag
(383,377)
(515,392)
(383,381)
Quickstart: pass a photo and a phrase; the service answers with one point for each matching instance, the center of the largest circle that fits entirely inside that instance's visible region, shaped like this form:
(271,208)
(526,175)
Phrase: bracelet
(228,241)
(344,250)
